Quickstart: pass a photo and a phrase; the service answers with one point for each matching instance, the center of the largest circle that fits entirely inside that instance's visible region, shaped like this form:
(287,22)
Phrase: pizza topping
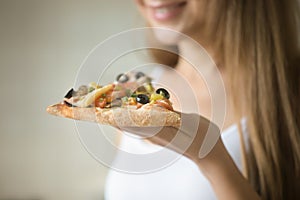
(149,87)
(68,104)
(139,75)
(82,90)
(132,101)
(101,102)
(69,93)
(91,97)
(142,98)
(91,89)
(122,78)
(116,103)
(163,92)
(69,98)
(165,104)
(131,89)
(93,86)
(155,97)
(139,105)
(141,89)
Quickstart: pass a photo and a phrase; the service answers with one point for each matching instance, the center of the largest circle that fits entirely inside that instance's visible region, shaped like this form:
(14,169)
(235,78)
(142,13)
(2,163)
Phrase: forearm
(224,177)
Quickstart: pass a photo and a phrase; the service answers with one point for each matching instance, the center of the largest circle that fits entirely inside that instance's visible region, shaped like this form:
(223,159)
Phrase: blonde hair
(258,41)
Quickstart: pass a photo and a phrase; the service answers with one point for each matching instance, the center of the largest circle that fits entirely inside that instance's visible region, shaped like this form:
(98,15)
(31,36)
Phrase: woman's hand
(199,139)
(195,138)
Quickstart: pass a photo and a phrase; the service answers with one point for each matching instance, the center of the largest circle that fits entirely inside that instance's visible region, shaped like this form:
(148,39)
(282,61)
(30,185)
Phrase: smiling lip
(165,11)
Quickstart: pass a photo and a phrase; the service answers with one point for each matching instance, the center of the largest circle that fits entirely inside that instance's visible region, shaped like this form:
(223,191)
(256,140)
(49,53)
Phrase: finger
(142,131)
(175,139)
(190,124)
(158,135)
(203,133)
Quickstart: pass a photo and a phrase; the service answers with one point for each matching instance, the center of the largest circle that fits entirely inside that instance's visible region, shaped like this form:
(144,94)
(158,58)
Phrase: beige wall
(42,44)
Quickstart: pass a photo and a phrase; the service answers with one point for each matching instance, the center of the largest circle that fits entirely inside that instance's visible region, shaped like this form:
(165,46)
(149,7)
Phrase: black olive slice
(163,92)
(142,98)
(68,104)
(139,75)
(69,94)
(122,78)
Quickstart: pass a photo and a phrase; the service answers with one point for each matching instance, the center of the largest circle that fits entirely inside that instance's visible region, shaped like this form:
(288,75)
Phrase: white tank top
(179,181)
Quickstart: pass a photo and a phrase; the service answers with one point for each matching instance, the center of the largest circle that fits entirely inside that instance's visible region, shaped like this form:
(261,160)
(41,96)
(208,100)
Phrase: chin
(172,17)
(167,35)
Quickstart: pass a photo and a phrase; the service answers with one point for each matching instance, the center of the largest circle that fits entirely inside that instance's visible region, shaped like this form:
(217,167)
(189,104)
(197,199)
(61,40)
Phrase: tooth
(162,10)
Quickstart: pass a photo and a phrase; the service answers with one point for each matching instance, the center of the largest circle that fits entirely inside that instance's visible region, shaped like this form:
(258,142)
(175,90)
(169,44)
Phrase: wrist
(224,176)
(216,161)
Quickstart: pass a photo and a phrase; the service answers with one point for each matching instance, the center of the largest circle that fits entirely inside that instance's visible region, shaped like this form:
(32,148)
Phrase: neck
(196,64)
(190,46)
(201,57)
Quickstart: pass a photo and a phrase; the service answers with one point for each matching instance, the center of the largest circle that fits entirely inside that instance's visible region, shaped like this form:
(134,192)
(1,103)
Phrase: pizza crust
(146,116)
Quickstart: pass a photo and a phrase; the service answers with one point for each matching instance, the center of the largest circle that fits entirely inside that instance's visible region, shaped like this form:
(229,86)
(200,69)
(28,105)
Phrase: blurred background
(42,45)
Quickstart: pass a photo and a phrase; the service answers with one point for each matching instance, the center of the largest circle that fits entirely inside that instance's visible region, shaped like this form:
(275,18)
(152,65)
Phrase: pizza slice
(131,101)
